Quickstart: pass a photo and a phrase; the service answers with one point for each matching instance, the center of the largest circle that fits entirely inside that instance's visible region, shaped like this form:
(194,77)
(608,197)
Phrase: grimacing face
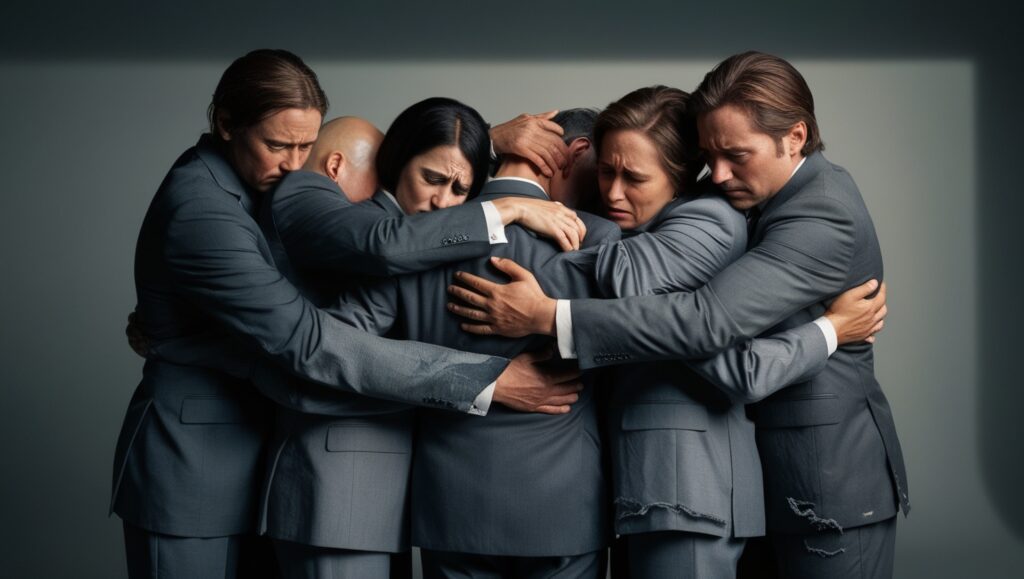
(438,178)
(633,181)
(749,166)
(263,153)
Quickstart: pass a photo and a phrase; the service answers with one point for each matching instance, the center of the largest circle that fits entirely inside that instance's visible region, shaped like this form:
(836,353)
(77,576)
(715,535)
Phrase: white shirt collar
(392,198)
(798,165)
(524,180)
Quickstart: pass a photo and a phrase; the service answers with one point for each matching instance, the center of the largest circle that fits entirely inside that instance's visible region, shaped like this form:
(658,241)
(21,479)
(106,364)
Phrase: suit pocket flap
(211,410)
(799,412)
(392,438)
(664,415)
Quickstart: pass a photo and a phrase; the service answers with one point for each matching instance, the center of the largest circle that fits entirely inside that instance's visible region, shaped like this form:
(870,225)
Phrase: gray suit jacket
(189,458)
(327,239)
(342,481)
(509,483)
(828,446)
(683,451)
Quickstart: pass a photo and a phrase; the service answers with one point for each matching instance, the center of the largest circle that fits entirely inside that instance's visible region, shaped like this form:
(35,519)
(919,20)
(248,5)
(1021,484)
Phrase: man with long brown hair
(833,469)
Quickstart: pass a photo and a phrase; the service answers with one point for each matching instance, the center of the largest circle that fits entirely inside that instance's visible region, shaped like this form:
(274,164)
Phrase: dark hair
(430,123)
(260,84)
(773,93)
(660,113)
(577,123)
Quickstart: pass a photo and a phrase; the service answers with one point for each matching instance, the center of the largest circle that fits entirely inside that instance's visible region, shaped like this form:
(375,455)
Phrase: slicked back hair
(260,84)
(772,92)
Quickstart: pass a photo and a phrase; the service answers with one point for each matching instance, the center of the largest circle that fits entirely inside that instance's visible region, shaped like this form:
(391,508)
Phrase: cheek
(411,195)
(652,197)
(265,161)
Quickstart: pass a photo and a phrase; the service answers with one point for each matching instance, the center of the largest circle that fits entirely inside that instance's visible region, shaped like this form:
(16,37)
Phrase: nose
(293,160)
(615,191)
(442,198)
(720,172)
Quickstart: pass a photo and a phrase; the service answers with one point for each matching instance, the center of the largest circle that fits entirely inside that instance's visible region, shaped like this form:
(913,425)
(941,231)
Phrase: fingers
(470,297)
(862,291)
(473,314)
(562,400)
(563,241)
(564,378)
(548,116)
(553,409)
(567,240)
(544,164)
(511,268)
(478,329)
(551,152)
(476,283)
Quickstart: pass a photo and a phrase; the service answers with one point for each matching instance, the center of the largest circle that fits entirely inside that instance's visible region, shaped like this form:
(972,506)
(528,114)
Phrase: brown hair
(661,113)
(773,93)
(260,84)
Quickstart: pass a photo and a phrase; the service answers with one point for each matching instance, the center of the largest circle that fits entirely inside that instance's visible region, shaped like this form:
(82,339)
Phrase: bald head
(345,151)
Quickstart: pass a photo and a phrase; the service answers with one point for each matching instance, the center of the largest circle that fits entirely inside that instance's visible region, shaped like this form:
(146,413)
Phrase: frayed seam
(637,509)
(805,509)
(822,552)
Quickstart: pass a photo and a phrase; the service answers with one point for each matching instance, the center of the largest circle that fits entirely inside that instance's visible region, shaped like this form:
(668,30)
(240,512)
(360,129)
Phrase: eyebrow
(632,173)
(427,172)
(277,143)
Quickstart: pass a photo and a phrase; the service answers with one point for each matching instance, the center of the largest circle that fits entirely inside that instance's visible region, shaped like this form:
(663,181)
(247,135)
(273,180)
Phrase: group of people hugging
(635,340)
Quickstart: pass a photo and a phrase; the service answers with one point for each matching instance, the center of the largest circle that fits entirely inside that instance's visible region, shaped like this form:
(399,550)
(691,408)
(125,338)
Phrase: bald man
(336,493)
(344,152)
(336,500)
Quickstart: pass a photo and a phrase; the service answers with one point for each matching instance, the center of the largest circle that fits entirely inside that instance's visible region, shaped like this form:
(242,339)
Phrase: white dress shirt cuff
(495,228)
(482,402)
(830,334)
(563,329)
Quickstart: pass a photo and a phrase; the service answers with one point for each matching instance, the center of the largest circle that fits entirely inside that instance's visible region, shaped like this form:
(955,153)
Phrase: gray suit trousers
(298,561)
(683,555)
(157,556)
(449,565)
(864,552)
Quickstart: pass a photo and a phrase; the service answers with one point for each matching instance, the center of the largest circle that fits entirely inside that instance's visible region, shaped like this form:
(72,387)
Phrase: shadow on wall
(1001,208)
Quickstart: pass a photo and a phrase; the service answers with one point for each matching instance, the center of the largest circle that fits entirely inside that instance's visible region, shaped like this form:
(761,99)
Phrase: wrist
(547,314)
(836,326)
(510,212)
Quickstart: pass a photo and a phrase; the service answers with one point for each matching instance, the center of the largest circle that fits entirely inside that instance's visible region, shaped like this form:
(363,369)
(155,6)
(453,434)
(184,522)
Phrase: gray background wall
(914,101)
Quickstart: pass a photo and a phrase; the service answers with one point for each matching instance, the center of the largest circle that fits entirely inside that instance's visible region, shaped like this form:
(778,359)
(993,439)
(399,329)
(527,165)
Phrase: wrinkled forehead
(727,127)
(448,160)
(291,126)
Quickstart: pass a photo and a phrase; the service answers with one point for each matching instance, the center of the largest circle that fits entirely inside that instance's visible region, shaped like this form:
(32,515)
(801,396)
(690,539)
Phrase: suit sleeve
(801,260)
(213,253)
(690,246)
(323,231)
(371,307)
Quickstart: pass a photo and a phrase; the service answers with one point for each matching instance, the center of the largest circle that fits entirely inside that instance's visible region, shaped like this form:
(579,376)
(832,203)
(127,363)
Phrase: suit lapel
(811,168)
(224,175)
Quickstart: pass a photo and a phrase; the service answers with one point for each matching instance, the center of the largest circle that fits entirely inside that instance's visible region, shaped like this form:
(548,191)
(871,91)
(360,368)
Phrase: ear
(797,137)
(577,149)
(221,131)
(334,164)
